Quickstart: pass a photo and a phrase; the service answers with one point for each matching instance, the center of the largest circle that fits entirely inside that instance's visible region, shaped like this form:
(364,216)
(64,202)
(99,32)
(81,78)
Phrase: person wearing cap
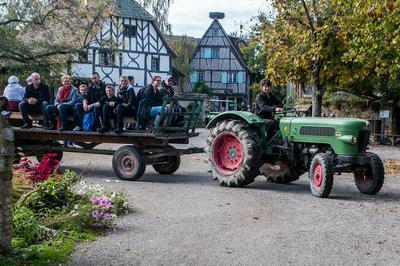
(166,87)
(14,93)
(267,103)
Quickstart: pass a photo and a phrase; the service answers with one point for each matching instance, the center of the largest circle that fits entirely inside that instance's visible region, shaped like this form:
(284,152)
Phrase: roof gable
(131,9)
(224,39)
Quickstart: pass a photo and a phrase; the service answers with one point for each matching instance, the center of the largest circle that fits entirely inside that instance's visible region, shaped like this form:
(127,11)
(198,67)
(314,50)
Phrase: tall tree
(303,46)
(47,33)
(160,9)
(41,33)
(184,47)
(371,31)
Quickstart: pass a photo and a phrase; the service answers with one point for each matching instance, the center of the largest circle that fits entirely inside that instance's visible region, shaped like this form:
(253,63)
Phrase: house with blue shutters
(130,43)
(218,63)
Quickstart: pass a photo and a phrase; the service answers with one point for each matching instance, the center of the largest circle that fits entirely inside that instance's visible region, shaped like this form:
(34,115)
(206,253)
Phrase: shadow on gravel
(340,193)
(380,197)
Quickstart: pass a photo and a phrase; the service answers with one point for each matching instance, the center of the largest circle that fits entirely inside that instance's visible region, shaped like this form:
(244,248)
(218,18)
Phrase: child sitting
(108,104)
(83,91)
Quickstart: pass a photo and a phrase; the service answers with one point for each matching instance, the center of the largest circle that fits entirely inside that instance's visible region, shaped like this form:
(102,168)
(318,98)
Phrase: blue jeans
(63,109)
(155,111)
(79,113)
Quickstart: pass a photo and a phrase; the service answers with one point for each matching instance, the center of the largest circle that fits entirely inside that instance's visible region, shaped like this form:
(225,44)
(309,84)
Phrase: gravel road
(187,218)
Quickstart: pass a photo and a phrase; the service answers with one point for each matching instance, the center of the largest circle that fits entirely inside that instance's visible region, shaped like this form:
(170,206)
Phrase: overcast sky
(190,17)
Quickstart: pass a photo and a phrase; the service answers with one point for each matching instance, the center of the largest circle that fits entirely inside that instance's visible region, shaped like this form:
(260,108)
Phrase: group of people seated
(104,102)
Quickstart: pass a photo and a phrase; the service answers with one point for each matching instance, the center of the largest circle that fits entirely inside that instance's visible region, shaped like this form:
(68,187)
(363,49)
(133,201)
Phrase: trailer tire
(370,181)
(169,167)
(321,175)
(128,163)
(234,150)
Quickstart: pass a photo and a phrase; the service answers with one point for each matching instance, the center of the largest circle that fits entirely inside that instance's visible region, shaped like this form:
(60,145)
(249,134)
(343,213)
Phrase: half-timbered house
(128,43)
(218,63)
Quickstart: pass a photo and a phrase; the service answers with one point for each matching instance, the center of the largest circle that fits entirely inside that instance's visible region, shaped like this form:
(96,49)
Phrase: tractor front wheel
(370,179)
(234,150)
(321,175)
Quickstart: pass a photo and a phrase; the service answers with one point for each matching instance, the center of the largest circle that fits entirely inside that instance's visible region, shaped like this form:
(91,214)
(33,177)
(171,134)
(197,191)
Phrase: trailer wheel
(128,163)
(169,167)
(321,175)
(370,180)
(234,150)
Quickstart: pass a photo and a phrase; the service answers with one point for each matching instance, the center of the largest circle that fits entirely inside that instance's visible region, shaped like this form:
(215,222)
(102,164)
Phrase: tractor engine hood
(344,135)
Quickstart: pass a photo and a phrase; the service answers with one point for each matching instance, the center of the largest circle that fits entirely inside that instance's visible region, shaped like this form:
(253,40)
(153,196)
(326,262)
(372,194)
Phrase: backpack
(88,121)
(140,93)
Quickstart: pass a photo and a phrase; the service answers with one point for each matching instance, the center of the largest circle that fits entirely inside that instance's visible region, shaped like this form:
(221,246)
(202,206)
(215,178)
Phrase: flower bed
(50,215)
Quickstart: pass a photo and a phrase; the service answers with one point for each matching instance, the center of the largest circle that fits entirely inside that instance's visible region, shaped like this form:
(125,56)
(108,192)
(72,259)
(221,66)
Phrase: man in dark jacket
(96,91)
(127,107)
(150,97)
(267,103)
(36,99)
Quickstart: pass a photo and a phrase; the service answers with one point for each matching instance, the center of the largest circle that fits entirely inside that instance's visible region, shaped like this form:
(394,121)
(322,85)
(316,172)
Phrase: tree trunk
(317,90)
(6,161)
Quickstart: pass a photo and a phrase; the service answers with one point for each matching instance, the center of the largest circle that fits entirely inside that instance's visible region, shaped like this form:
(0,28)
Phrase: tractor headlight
(348,139)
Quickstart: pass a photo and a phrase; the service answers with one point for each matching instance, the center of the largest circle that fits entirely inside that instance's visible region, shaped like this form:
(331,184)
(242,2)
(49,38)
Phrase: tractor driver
(267,103)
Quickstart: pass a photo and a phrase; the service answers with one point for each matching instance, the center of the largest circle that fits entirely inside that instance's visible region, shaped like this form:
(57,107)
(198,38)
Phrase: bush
(52,216)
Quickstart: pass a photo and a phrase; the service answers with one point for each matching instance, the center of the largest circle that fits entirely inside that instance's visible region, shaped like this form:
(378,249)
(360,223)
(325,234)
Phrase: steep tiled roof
(130,9)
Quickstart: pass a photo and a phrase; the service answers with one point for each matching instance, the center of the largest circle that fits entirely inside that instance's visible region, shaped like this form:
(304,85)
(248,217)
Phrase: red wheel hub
(318,175)
(227,153)
(127,164)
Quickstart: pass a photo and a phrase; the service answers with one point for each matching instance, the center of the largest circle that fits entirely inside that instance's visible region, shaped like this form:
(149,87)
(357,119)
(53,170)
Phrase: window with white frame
(232,77)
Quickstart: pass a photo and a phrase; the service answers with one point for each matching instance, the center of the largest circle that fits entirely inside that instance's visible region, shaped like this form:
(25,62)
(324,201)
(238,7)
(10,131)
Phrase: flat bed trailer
(151,147)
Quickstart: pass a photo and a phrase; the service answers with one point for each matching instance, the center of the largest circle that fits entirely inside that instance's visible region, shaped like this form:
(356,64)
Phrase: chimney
(217,15)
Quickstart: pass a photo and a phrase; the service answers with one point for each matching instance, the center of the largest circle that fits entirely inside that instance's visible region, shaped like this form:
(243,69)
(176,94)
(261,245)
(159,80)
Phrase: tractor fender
(247,117)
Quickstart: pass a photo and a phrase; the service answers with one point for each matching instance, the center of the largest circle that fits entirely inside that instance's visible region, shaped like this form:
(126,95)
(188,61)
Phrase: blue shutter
(240,77)
(224,77)
(193,77)
(207,53)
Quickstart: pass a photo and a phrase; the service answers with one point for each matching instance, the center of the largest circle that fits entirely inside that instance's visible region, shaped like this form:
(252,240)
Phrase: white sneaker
(77,128)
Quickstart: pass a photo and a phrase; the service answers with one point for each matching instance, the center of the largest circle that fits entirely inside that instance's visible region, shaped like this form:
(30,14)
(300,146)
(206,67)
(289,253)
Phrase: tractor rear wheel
(370,180)
(321,175)
(234,150)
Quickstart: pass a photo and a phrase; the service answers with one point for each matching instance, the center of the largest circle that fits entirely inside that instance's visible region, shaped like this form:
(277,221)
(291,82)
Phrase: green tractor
(238,151)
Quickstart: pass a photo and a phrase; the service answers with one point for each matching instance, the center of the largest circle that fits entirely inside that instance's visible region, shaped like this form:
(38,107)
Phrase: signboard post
(383,114)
